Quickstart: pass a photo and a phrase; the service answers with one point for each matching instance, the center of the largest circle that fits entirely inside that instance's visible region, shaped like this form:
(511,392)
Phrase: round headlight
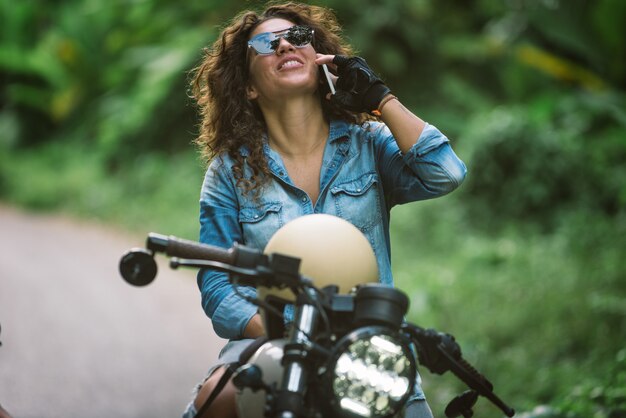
(371,373)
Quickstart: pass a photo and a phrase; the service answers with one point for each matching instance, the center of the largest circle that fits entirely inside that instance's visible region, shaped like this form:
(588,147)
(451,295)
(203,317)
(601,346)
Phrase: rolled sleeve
(429,169)
(434,162)
(233,313)
(429,139)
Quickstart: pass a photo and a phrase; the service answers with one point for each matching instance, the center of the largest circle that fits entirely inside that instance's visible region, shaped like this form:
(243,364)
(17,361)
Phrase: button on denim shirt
(363,175)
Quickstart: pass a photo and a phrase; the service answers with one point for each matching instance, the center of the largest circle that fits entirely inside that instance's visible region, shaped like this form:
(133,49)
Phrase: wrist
(379,110)
(374,96)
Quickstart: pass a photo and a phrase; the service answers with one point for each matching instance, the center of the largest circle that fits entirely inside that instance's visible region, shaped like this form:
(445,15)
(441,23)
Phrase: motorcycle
(348,352)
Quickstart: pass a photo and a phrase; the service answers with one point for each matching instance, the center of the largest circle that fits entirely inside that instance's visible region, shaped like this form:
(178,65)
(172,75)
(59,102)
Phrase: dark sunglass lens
(299,35)
(267,43)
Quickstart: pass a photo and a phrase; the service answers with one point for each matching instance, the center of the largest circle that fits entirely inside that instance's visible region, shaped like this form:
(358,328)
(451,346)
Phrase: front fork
(290,397)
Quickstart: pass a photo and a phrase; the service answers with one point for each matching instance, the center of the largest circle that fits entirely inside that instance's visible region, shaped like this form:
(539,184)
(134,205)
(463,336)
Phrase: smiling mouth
(290,64)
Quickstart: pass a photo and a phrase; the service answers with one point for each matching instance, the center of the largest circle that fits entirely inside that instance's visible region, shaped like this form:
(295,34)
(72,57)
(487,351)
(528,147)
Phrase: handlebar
(138,267)
(440,353)
(247,265)
(179,247)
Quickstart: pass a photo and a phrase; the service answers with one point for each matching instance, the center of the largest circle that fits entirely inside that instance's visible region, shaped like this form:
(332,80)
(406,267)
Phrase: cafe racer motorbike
(345,350)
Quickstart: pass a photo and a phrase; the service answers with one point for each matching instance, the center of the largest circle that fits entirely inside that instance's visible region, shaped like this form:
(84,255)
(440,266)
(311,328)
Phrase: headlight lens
(372,372)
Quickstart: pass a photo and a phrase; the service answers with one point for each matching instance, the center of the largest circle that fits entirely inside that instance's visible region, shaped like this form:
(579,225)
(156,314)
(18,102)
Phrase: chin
(300,86)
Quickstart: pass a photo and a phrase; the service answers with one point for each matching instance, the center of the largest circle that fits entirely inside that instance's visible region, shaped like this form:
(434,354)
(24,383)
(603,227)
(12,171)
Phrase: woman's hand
(359,89)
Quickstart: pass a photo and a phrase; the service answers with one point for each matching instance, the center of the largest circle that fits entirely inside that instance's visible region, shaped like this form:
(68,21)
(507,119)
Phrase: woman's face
(287,72)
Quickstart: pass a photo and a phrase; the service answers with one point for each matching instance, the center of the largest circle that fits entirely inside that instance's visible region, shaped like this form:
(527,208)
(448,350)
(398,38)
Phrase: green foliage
(151,192)
(98,73)
(539,313)
(524,264)
(568,153)
(592,397)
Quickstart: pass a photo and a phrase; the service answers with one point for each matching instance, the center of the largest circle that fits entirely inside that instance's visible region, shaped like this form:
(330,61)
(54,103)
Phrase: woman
(281,146)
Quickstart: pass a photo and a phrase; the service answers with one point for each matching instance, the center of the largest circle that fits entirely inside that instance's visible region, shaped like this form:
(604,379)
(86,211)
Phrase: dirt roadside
(77,341)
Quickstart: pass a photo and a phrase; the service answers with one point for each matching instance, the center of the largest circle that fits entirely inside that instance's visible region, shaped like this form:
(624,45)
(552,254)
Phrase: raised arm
(359,89)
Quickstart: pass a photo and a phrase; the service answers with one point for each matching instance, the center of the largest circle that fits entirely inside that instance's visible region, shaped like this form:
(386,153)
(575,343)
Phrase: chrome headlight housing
(371,373)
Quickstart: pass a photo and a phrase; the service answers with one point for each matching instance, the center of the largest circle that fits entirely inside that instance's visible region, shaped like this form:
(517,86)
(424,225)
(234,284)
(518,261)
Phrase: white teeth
(289,64)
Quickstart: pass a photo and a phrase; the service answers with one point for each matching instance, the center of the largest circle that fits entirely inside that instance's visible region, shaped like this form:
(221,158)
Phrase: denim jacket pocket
(358,201)
(259,222)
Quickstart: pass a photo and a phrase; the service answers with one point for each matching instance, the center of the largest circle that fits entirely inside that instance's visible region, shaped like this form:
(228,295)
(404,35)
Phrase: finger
(328,61)
(324,59)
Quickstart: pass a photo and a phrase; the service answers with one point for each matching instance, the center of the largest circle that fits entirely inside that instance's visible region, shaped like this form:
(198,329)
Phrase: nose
(284,46)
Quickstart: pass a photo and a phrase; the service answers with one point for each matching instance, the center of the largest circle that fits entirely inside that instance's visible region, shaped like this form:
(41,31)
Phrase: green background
(524,264)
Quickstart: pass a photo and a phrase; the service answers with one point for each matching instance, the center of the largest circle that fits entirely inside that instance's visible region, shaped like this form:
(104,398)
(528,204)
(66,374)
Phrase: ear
(251,92)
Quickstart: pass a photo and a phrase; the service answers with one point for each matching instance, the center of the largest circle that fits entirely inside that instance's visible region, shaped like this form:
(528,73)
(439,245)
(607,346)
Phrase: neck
(296,126)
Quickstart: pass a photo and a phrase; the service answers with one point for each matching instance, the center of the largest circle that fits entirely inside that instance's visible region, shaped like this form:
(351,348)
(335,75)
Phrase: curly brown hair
(229,121)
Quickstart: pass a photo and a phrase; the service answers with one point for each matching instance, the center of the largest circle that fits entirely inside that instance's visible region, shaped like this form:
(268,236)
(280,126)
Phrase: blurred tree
(108,73)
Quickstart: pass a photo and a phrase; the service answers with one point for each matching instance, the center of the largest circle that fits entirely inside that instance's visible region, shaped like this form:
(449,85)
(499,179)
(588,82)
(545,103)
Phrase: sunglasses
(266,43)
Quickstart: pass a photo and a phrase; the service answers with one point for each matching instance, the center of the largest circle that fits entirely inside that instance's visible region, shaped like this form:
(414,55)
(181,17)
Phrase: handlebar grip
(179,247)
(475,373)
(487,387)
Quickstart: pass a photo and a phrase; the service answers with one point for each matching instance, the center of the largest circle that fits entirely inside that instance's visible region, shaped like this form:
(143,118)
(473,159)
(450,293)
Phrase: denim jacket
(363,175)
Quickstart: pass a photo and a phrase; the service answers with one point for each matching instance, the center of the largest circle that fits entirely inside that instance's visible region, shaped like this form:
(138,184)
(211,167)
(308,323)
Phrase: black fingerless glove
(358,88)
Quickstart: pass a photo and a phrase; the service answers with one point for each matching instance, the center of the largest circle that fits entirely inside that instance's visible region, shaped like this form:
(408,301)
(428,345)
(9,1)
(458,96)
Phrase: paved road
(77,341)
